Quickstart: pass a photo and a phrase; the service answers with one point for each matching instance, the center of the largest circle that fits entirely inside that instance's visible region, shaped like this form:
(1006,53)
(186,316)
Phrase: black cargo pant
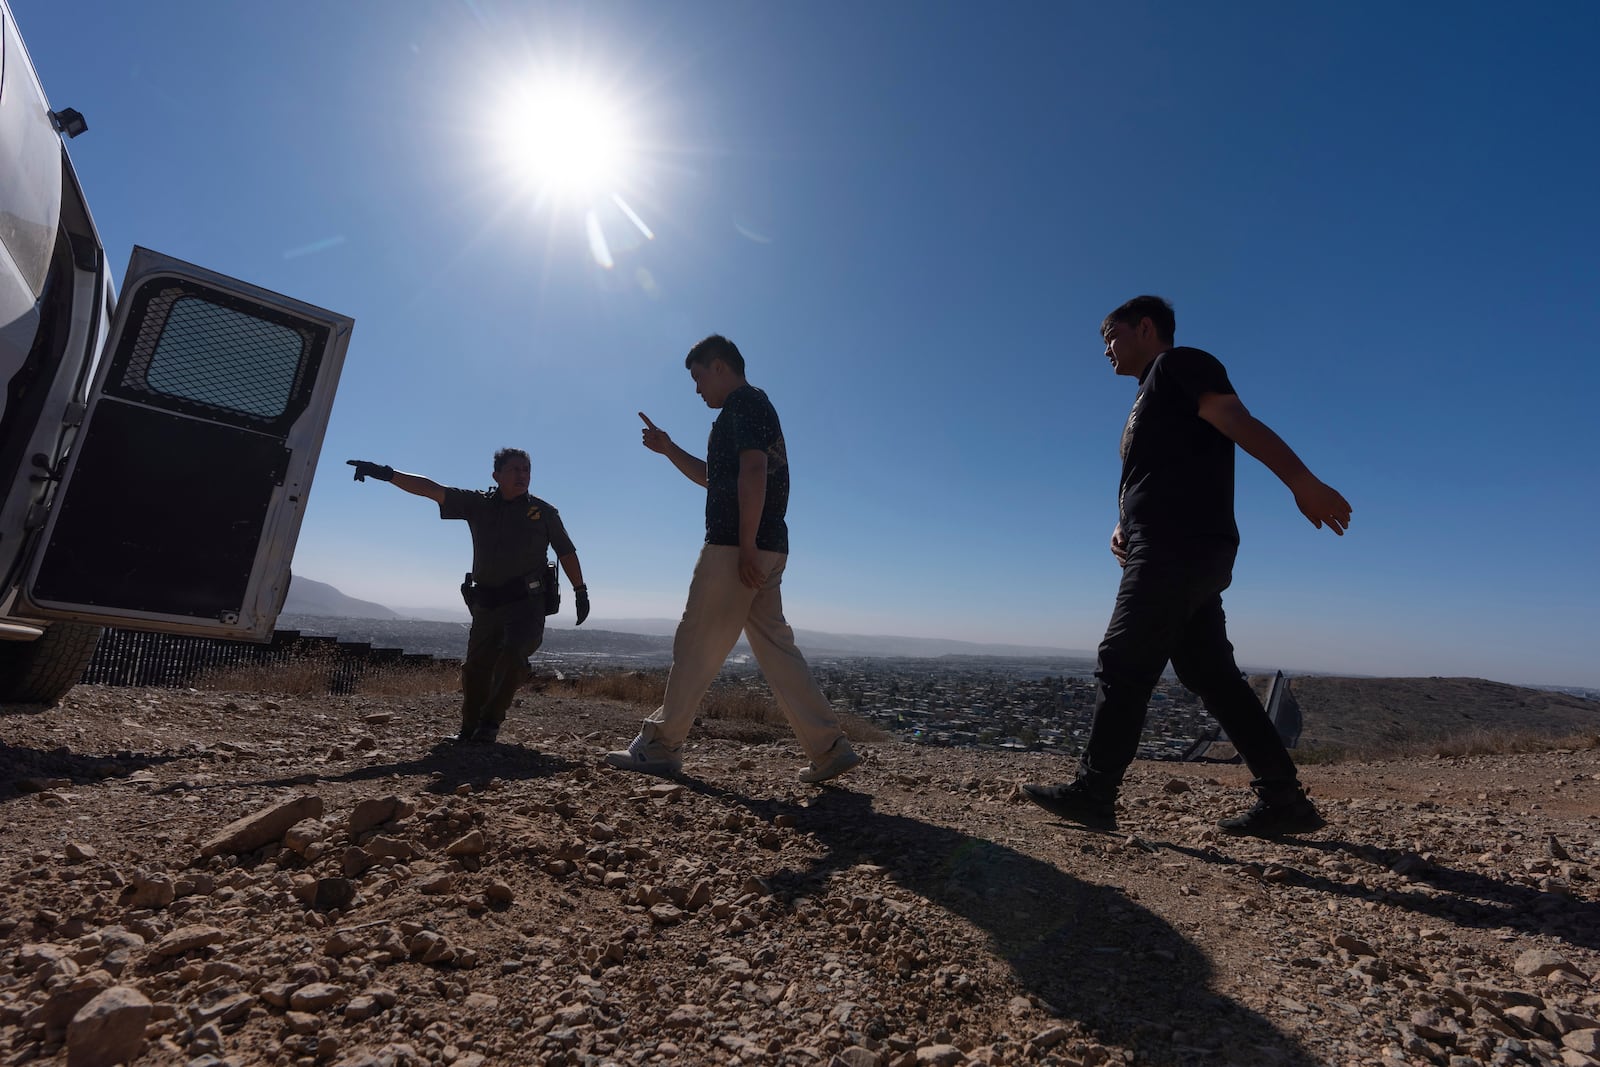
(498,647)
(1169,608)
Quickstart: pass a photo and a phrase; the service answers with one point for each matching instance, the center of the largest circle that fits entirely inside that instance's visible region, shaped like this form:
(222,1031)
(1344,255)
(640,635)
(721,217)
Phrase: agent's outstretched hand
(377,470)
(582,595)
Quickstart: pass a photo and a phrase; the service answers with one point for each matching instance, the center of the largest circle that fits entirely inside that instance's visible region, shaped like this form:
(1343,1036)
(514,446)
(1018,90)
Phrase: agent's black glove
(582,594)
(377,470)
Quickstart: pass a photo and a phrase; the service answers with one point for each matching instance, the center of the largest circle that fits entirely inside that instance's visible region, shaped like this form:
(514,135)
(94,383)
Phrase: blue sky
(912,218)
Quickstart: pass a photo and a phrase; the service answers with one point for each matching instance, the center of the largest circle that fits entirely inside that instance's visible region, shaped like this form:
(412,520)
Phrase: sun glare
(566,141)
(567,150)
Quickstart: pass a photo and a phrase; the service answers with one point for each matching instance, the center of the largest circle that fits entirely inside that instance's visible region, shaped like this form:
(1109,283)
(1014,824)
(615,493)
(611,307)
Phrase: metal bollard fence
(175,661)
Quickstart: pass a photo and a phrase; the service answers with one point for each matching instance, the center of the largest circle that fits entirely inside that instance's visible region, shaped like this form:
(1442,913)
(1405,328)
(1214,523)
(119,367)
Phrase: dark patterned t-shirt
(509,537)
(1177,469)
(747,422)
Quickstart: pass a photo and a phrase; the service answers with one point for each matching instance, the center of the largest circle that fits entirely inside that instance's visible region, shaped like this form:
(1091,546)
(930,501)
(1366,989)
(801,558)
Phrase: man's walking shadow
(1089,952)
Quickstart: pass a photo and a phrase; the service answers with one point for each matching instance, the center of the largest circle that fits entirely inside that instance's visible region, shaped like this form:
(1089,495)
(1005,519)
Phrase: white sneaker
(840,758)
(646,757)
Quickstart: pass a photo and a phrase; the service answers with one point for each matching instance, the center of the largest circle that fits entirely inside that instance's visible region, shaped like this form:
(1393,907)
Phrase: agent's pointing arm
(656,440)
(414,484)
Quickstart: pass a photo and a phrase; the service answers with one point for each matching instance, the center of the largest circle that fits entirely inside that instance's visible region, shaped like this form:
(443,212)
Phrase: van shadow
(1453,896)
(1088,952)
(24,771)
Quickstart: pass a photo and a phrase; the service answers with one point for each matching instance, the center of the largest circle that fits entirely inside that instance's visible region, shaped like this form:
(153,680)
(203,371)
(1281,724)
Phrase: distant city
(1021,703)
(1018,706)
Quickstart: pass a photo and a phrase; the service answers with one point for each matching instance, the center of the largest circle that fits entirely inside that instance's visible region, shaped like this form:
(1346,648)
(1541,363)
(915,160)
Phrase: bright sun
(567,150)
(566,141)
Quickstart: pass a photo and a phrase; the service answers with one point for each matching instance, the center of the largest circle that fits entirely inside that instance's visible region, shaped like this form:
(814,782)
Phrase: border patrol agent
(511,586)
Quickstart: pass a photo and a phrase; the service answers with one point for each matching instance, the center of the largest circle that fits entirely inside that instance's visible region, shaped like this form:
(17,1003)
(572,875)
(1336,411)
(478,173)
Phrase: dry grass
(320,673)
(1475,743)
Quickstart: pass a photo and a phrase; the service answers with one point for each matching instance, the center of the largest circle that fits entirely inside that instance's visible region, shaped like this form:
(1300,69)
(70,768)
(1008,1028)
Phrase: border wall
(176,661)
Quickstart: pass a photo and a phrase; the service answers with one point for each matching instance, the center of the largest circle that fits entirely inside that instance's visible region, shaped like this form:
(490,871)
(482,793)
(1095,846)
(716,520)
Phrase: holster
(481,598)
(552,588)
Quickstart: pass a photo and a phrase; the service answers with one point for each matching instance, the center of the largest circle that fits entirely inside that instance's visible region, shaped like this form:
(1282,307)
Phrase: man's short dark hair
(502,456)
(1154,308)
(716,347)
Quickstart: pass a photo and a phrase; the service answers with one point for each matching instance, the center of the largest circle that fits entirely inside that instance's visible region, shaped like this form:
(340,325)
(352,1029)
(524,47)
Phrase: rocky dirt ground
(203,878)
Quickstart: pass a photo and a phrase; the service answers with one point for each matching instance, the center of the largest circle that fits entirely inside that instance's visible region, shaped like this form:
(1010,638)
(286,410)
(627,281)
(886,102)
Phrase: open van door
(183,495)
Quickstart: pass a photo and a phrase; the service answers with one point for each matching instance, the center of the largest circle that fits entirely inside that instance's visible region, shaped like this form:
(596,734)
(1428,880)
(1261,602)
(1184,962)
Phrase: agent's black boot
(1280,808)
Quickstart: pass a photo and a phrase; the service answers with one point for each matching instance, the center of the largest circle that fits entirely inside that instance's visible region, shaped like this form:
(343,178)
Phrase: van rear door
(182,498)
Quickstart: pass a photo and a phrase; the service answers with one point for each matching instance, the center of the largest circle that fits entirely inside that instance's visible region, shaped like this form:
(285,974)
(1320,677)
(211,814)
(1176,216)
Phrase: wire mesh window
(212,353)
(218,356)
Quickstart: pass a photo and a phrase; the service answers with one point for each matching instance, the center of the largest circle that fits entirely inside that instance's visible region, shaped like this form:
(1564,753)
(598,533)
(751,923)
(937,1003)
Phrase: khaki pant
(719,607)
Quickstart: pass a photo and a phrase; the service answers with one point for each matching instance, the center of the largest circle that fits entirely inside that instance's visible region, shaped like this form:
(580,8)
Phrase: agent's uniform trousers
(498,647)
(718,608)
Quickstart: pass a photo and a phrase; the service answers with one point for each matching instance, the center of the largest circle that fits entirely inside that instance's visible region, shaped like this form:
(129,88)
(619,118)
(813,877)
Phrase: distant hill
(308,597)
(1372,712)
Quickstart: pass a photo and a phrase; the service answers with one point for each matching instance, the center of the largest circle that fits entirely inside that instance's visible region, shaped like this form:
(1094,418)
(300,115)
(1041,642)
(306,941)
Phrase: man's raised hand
(655,438)
(379,471)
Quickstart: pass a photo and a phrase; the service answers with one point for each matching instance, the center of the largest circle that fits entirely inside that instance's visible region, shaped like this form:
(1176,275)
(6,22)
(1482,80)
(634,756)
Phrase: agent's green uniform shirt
(509,537)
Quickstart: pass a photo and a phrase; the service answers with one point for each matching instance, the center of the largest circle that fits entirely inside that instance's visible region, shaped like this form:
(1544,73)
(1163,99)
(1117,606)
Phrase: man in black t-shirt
(511,532)
(1176,540)
(737,583)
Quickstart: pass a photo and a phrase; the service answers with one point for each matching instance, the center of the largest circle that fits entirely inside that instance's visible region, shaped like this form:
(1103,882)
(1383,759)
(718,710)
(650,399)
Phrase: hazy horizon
(664,627)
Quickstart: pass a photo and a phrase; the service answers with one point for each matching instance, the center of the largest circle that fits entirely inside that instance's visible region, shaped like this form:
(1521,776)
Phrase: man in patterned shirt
(736,583)
(1176,540)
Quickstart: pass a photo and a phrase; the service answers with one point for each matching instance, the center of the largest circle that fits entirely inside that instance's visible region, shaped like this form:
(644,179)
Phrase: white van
(155,450)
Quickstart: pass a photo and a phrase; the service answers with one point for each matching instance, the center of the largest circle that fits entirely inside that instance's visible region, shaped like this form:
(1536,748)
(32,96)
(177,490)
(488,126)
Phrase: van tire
(42,670)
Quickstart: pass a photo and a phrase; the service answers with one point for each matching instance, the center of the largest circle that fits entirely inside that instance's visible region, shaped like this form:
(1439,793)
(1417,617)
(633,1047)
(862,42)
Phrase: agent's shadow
(1087,951)
(1457,897)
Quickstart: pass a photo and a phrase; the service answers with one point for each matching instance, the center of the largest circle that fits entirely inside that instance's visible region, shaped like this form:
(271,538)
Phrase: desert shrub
(644,688)
(409,680)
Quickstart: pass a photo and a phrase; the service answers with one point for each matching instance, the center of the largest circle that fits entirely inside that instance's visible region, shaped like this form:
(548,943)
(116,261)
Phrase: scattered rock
(530,906)
(262,827)
(109,1029)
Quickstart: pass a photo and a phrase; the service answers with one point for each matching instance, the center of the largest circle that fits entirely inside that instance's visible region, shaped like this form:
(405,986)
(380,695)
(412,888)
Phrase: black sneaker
(1296,815)
(1076,803)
